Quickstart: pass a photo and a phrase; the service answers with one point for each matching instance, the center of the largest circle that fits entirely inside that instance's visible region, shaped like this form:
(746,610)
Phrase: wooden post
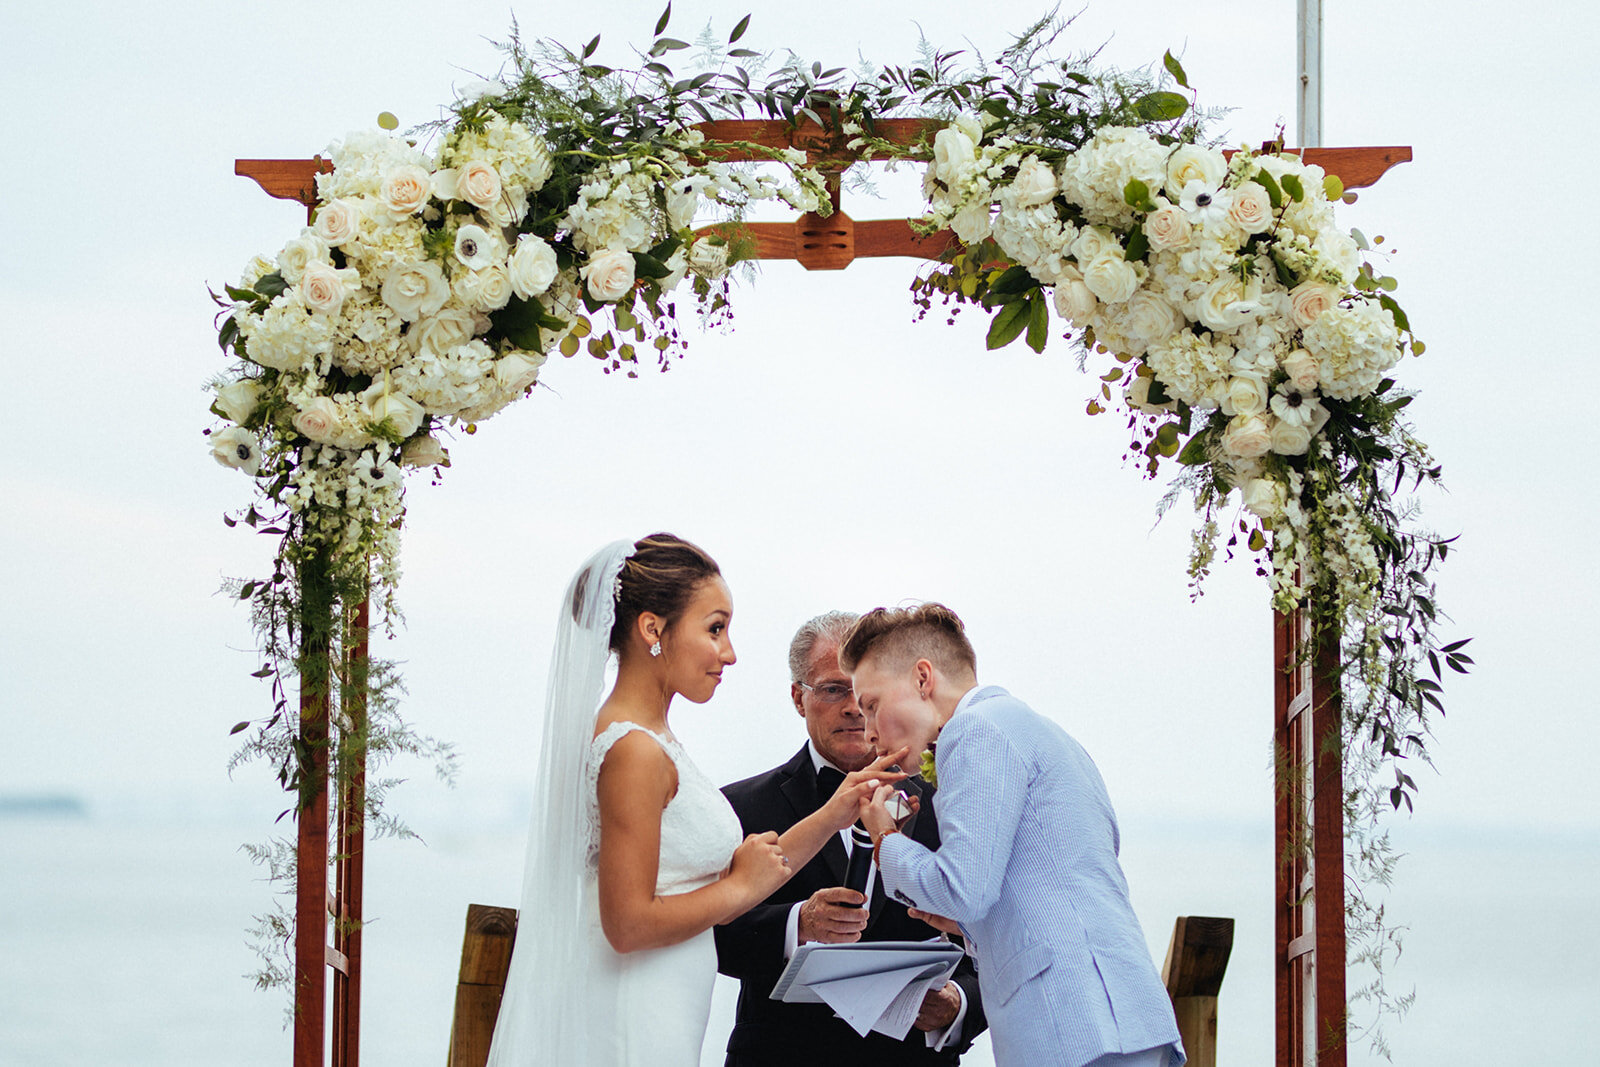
(485,961)
(1197,958)
(346,956)
(311,858)
(1309,943)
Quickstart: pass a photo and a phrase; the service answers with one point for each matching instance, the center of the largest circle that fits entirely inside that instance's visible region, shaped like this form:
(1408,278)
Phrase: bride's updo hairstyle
(660,577)
(901,636)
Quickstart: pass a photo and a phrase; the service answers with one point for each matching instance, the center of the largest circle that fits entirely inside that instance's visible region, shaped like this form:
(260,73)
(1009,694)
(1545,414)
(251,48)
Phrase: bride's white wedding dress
(649,1008)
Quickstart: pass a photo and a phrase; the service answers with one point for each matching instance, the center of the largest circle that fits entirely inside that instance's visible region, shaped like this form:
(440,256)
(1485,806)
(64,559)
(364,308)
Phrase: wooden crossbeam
(295,179)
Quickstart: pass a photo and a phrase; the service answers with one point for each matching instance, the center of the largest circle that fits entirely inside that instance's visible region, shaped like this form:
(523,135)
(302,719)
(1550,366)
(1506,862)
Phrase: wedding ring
(785,860)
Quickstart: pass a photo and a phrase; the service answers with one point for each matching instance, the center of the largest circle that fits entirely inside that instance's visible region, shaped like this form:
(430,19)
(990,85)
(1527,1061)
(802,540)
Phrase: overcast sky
(829,452)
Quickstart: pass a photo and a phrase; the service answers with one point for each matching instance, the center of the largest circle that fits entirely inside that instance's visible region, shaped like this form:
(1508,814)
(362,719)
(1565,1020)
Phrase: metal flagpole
(1309,111)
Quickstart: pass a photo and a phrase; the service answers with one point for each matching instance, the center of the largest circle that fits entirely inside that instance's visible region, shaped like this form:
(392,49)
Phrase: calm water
(122,937)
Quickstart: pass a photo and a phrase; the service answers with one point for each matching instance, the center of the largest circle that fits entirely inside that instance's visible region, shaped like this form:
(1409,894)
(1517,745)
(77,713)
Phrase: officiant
(816,905)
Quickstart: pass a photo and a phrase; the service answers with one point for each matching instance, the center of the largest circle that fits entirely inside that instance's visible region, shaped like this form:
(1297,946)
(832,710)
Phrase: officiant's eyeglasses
(829,692)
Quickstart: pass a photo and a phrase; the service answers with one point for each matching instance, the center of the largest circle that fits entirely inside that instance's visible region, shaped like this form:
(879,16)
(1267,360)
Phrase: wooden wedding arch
(1309,943)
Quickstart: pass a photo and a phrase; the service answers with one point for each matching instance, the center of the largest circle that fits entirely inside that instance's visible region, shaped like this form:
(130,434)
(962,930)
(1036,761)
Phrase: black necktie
(828,782)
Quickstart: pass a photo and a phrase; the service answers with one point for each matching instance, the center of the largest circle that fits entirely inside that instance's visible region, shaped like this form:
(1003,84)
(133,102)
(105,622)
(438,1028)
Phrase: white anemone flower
(1205,204)
(473,247)
(238,448)
(1299,406)
(376,472)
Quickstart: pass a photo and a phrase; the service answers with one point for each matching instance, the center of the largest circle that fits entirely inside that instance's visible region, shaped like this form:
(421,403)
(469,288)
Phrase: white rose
(338,222)
(405,190)
(1093,242)
(1190,163)
(300,251)
(1247,395)
(1034,184)
(494,288)
(973,222)
(1290,439)
(323,289)
(320,419)
(954,155)
(708,258)
(515,371)
(1149,318)
(478,183)
(255,270)
(609,273)
(424,451)
(1137,394)
(444,184)
(972,125)
(1111,278)
(383,402)
(1073,299)
(1264,498)
(1247,436)
(238,448)
(678,265)
(1167,226)
(238,400)
(1229,302)
(415,289)
(447,328)
(1251,209)
(1341,250)
(1301,367)
(473,247)
(1310,299)
(532,266)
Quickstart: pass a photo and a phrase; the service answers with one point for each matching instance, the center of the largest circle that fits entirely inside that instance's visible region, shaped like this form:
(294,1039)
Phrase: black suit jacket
(770,1033)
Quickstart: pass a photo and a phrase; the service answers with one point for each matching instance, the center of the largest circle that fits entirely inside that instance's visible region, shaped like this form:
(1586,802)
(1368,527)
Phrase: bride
(633,854)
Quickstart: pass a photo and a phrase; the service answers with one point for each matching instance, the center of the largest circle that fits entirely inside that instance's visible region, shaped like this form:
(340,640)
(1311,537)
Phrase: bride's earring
(655,649)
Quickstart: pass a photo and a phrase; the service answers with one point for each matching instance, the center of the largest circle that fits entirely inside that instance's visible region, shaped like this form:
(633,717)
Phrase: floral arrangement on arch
(429,289)
(1234,302)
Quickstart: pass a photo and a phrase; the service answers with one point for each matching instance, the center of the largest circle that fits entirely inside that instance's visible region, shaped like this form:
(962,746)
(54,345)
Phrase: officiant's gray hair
(832,625)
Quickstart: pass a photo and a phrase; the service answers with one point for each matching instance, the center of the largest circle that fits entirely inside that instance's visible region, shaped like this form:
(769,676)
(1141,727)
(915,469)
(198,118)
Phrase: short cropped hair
(832,626)
(901,636)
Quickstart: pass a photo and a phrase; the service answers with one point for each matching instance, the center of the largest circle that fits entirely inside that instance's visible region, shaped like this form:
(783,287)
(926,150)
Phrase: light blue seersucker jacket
(1027,865)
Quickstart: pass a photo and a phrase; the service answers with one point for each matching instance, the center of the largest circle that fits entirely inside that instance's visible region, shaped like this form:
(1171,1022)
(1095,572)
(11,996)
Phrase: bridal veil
(546,997)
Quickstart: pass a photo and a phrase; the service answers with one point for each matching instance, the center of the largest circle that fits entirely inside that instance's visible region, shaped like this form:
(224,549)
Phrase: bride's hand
(760,865)
(844,807)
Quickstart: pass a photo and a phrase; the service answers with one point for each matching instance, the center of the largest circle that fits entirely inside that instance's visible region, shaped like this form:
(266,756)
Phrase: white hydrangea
(361,161)
(1095,176)
(1193,368)
(286,336)
(520,157)
(612,213)
(1035,237)
(1353,346)
(1145,319)
(445,383)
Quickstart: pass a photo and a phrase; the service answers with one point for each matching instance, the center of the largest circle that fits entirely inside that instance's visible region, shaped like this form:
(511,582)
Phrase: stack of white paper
(872,985)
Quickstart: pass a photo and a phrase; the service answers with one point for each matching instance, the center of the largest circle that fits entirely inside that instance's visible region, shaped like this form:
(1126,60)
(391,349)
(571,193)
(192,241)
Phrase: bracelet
(877,848)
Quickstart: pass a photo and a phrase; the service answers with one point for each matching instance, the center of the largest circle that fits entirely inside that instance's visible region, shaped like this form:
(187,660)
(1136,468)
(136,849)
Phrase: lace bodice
(699,830)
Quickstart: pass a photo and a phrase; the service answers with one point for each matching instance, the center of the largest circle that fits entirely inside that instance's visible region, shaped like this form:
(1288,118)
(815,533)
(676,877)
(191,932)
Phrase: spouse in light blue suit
(1027,864)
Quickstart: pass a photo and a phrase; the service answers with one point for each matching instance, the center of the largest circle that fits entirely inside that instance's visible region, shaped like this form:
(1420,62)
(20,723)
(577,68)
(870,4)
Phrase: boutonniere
(927,768)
